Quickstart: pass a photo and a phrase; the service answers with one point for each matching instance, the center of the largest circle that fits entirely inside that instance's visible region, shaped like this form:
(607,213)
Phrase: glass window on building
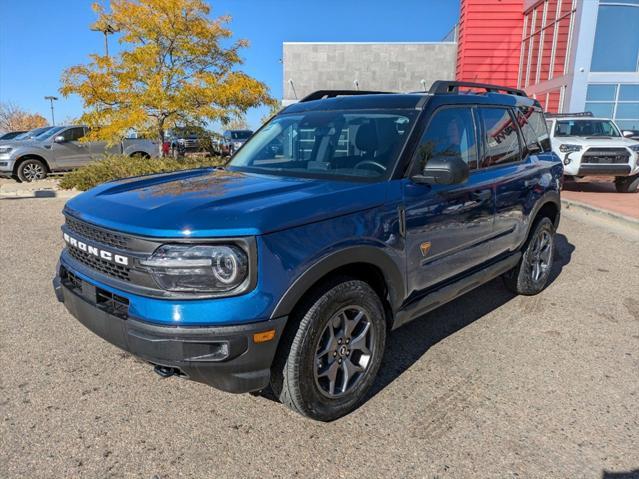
(617,37)
(617,101)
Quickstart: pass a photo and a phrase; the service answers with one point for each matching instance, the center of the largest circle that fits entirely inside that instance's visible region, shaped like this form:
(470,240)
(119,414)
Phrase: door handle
(483,195)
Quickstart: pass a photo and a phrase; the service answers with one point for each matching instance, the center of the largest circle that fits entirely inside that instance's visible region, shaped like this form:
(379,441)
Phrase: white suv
(591,146)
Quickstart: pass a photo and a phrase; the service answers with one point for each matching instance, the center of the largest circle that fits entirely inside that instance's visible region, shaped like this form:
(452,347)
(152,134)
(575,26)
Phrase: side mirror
(628,133)
(443,170)
(59,139)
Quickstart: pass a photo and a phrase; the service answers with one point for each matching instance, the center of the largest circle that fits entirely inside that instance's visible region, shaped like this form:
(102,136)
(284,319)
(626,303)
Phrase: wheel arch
(368,263)
(30,156)
(549,205)
(141,154)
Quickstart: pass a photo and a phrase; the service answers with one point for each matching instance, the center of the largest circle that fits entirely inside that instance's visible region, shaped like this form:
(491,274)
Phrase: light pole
(107,29)
(51,99)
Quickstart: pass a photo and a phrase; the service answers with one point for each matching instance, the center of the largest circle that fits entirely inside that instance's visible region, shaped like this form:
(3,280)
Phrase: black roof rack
(321,94)
(445,86)
(587,114)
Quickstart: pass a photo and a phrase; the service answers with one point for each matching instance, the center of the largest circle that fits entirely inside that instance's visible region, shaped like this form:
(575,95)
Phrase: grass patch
(117,166)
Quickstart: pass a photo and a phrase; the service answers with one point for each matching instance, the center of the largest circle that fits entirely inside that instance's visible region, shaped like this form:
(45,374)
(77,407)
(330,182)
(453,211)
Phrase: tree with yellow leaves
(174,69)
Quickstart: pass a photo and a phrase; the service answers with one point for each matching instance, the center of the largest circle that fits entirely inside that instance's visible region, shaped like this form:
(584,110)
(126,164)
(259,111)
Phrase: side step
(443,295)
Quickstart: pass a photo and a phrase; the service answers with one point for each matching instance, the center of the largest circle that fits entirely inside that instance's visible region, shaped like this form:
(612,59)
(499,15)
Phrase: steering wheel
(370,163)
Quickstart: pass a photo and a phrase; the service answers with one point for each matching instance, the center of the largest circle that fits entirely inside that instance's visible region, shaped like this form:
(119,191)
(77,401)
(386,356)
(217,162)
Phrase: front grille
(606,156)
(191,143)
(115,270)
(113,303)
(110,302)
(94,233)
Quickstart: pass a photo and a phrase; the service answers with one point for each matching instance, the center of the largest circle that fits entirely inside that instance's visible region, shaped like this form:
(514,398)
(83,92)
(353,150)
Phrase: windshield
(48,133)
(586,128)
(336,144)
(241,135)
(32,133)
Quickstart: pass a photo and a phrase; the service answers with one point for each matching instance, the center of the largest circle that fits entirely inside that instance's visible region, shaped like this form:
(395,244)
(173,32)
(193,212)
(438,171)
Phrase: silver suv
(58,149)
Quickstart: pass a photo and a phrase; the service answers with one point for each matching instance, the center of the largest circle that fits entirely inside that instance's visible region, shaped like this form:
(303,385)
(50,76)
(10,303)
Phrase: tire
(319,371)
(31,170)
(531,274)
(140,154)
(627,184)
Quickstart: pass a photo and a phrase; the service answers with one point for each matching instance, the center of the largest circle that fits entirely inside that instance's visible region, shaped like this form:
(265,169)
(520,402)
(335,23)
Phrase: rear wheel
(330,361)
(627,184)
(531,275)
(31,170)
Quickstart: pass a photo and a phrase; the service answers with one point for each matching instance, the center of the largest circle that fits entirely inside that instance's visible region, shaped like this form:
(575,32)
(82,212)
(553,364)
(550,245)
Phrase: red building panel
(489,41)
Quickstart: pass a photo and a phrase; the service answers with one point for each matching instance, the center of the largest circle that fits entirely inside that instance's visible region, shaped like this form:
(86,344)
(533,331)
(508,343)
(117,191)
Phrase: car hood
(219,203)
(594,141)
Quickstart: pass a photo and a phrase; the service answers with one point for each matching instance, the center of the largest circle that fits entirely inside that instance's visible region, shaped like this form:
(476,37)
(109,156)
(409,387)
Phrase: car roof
(400,101)
(579,118)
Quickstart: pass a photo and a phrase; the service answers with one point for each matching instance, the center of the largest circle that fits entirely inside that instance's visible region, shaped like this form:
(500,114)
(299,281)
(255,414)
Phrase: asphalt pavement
(490,385)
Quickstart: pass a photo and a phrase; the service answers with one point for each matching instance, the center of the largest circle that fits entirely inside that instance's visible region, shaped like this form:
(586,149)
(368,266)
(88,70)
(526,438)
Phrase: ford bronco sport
(344,217)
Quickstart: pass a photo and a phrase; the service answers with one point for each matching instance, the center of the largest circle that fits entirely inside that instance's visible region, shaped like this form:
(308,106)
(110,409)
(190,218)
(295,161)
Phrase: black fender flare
(548,197)
(374,256)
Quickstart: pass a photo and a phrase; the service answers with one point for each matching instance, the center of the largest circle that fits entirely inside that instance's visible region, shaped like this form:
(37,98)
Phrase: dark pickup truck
(289,268)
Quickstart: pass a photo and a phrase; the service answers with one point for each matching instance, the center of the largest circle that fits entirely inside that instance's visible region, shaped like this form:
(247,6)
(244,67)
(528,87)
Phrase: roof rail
(567,115)
(445,86)
(321,94)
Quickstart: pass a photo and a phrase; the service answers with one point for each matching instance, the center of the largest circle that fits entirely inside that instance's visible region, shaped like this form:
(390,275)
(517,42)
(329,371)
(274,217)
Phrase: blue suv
(345,216)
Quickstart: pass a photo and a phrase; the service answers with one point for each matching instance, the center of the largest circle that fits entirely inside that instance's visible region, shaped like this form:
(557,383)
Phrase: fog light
(567,161)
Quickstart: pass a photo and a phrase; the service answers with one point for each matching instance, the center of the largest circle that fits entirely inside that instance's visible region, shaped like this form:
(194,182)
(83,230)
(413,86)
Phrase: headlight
(634,148)
(198,268)
(569,148)
(5,149)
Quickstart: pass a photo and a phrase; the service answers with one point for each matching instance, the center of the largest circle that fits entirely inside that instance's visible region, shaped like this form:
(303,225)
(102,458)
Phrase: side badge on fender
(425,248)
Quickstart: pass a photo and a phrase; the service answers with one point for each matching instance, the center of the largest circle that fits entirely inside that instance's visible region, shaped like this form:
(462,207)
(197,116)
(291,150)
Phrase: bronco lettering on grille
(97,252)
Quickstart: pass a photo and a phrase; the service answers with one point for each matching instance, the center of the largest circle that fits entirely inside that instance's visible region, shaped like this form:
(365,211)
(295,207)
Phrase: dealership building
(572,55)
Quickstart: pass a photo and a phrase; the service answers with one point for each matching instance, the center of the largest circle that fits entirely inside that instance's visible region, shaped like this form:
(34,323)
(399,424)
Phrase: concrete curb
(43,193)
(568,204)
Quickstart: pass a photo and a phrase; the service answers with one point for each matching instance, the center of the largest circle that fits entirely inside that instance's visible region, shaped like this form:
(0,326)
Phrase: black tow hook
(165,371)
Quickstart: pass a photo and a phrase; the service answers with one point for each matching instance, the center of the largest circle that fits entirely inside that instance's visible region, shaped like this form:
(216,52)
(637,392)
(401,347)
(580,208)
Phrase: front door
(447,226)
(71,153)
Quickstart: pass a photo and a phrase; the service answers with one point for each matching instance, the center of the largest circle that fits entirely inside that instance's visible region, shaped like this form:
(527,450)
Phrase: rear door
(516,170)
(71,153)
(447,226)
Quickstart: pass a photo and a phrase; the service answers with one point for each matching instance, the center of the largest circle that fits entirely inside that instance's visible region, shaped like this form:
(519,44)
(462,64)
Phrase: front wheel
(531,275)
(330,361)
(31,170)
(627,184)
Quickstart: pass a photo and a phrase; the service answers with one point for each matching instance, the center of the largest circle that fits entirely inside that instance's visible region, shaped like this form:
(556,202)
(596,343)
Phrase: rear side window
(537,123)
(451,132)
(500,137)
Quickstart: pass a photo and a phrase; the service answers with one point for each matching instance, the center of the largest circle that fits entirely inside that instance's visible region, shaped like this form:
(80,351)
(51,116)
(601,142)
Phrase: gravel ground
(490,385)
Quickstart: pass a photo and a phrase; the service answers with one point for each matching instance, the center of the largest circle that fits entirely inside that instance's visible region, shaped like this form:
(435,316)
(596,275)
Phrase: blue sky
(40,38)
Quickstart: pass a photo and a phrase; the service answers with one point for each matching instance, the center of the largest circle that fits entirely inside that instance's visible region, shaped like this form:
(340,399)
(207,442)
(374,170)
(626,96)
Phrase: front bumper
(225,357)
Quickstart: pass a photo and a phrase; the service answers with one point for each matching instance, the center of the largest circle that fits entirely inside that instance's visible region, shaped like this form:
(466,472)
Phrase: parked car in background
(233,140)
(58,149)
(184,141)
(590,146)
(290,266)
(29,135)
(10,135)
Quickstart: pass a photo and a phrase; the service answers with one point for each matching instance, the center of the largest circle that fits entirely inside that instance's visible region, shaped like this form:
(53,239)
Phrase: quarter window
(500,137)
(451,133)
(533,127)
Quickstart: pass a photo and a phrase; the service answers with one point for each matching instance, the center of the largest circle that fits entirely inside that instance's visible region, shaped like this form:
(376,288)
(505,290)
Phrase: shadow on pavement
(591,186)
(409,343)
(620,475)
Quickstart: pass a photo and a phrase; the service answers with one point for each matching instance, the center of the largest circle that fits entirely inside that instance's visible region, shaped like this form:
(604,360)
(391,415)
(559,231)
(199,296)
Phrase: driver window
(451,132)
(73,134)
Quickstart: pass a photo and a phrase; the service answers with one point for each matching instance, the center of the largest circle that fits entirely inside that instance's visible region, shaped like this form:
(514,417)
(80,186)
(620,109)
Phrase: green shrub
(117,166)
